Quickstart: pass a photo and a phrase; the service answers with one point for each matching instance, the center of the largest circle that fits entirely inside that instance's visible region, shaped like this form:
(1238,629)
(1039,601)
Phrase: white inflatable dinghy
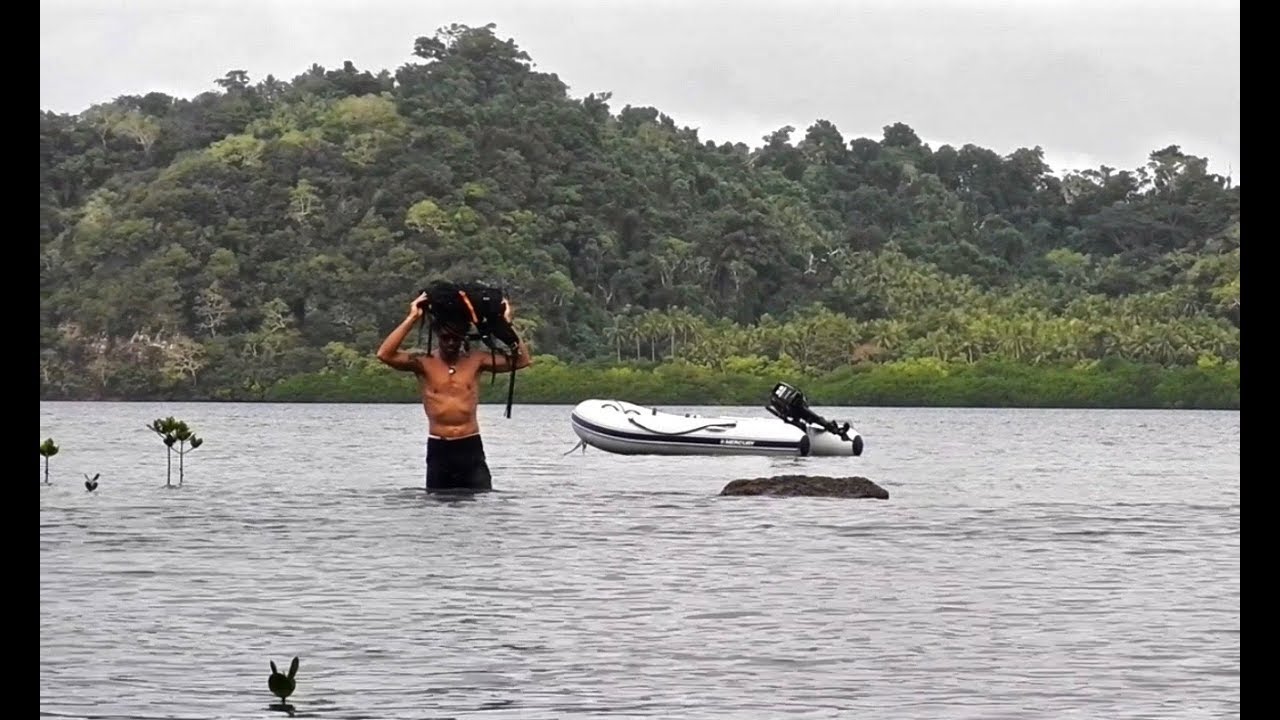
(629,429)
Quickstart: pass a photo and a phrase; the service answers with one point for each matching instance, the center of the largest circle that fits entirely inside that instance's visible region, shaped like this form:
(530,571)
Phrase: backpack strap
(511,389)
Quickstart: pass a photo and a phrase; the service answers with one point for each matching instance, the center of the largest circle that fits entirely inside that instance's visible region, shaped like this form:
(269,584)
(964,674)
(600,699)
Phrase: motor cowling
(789,404)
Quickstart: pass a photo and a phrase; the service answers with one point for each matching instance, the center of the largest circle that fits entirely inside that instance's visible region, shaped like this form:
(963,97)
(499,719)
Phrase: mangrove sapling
(175,432)
(47,450)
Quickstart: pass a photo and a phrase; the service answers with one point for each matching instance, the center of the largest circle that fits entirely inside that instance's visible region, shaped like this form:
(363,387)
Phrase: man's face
(450,341)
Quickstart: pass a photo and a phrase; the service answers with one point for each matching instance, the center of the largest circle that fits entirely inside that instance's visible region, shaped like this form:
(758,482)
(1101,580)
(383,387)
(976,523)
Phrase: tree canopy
(213,246)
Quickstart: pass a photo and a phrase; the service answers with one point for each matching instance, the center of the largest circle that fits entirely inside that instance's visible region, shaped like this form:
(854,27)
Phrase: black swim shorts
(457,465)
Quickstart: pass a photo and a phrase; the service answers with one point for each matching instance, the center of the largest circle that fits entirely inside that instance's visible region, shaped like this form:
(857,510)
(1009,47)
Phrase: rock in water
(809,486)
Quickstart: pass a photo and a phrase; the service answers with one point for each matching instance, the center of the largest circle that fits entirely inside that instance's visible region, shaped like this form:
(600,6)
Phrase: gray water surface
(1027,564)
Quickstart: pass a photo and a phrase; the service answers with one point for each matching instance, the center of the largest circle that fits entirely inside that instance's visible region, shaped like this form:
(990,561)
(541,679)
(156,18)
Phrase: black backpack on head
(478,310)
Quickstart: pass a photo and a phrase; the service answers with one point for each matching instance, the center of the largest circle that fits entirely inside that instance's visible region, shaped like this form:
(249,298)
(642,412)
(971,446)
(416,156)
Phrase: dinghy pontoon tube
(628,429)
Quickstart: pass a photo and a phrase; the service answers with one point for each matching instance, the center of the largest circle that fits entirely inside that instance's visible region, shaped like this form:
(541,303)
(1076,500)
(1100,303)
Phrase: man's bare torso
(450,398)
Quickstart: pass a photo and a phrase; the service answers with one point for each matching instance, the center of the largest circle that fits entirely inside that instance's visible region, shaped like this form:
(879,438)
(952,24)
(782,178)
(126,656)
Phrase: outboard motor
(790,405)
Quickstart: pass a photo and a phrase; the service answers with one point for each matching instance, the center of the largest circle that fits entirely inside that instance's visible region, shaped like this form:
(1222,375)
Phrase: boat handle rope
(619,408)
(683,432)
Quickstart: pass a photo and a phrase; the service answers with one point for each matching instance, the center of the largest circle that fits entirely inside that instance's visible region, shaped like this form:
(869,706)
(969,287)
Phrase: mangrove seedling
(282,685)
(175,432)
(47,450)
(185,436)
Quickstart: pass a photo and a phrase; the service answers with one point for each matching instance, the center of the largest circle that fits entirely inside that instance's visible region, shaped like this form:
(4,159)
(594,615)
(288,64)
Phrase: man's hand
(415,309)
(506,310)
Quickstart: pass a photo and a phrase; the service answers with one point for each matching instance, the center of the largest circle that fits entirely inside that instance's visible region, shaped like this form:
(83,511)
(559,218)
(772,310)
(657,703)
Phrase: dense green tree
(212,247)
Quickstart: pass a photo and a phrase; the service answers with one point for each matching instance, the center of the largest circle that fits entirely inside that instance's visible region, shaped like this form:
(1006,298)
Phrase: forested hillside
(211,247)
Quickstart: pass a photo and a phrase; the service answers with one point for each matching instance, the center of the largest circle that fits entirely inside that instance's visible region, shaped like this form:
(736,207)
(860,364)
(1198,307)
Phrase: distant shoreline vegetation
(258,241)
(926,382)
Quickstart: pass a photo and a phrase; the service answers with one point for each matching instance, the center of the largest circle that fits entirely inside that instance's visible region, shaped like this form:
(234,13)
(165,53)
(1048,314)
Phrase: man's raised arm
(502,363)
(390,353)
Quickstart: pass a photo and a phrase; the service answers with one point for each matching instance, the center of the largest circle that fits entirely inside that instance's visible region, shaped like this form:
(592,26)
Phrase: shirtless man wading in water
(450,393)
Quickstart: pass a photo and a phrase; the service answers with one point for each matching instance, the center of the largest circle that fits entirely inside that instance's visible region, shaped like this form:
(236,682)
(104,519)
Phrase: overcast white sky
(1091,82)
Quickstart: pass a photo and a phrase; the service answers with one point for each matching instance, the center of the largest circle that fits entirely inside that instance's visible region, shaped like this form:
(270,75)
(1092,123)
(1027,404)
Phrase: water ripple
(1010,575)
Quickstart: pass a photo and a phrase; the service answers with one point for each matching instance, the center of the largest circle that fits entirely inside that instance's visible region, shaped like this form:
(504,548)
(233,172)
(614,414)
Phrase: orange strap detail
(470,309)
